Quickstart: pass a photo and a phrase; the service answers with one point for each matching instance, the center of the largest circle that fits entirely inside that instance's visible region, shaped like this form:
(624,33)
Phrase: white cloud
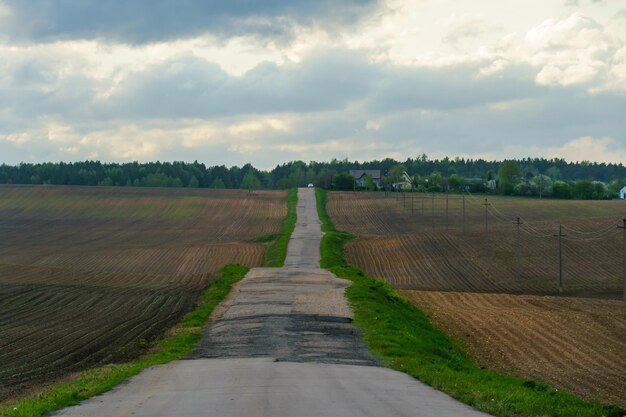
(373,125)
(616,78)
(576,49)
(588,148)
(570,51)
(150,140)
(464,27)
(18,138)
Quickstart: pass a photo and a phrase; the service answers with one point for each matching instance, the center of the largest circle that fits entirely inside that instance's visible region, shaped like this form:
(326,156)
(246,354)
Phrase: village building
(405,183)
(622,193)
(360,175)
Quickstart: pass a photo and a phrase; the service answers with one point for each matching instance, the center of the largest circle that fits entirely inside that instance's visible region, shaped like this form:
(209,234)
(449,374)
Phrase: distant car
(310,185)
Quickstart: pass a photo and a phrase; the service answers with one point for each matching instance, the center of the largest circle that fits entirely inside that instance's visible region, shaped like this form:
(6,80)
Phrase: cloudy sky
(230,82)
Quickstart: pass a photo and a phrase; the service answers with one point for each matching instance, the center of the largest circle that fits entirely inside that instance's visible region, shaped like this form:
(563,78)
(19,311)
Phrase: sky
(267,82)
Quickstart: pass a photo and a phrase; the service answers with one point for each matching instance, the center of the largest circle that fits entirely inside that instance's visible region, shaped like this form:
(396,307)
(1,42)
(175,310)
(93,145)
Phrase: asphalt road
(281,345)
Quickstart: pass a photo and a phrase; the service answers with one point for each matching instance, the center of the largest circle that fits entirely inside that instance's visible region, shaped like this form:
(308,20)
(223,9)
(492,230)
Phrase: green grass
(277,252)
(403,338)
(264,238)
(99,380)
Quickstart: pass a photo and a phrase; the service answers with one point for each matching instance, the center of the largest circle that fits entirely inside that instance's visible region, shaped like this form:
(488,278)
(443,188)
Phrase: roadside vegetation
(99,380)
(276,253)
(403,337)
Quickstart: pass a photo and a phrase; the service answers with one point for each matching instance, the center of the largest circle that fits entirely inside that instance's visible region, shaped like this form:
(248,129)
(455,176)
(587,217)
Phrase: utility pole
(412,204)
(463,221)
(518,248)
(486,204)
(446,211)
(560,236)
(433,209)
(623,227)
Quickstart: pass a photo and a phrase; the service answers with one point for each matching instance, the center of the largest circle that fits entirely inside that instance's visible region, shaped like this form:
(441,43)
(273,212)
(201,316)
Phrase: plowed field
(90,275)
(415,251)
(505,307)
(572,343)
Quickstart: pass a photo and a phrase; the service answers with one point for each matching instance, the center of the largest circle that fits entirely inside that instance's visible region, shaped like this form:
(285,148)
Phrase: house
(622,193)
(405,183)
(360,174)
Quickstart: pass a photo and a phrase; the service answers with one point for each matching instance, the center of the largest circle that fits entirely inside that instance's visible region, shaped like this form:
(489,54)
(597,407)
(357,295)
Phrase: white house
(405,183)
(622,193)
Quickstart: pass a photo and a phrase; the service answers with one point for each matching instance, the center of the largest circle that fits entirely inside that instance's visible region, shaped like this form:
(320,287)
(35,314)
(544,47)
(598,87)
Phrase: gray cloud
(193,87)
(145,21)
(32,90)
(332,96)
(437,88)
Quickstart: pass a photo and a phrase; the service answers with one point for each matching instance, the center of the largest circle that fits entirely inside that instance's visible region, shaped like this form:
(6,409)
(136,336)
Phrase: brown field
(468,280)
(572,343)
(90,274)
(414,255)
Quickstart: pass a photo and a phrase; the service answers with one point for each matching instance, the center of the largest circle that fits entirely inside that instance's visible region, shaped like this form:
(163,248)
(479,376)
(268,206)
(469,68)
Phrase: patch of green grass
(331,247)
(99,380)
(403,337)
(277,252)
(263,238)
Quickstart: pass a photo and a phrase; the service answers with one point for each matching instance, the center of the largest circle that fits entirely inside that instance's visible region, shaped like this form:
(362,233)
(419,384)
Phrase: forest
(530,177)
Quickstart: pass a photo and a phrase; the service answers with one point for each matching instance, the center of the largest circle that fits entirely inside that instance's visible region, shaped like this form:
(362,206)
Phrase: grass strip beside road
(276,253)
(403,337)
(99,380)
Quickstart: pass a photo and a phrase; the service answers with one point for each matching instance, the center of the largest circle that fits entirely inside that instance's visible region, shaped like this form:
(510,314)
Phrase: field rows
(416,262)
(539,337)
(89,275)
(413,255)
(44,340)
(468,281)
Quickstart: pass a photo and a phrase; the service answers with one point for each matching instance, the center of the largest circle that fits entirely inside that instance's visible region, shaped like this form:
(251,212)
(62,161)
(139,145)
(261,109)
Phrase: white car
(310,185)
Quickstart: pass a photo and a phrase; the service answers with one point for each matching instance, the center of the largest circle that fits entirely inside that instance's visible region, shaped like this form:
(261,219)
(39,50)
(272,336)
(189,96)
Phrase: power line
(560,236)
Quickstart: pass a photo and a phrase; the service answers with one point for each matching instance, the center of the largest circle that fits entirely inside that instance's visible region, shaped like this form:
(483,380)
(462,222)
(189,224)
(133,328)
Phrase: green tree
(583,189)
(541,185)
(106,182)
(343,182)
(193,182)
(599,190)
(285,183)
(614,187)
(369,183)
(395,174)
(509,174)
(554,173)
(250,181)
(218,183)
(434,181)
(456,182)
(561,189)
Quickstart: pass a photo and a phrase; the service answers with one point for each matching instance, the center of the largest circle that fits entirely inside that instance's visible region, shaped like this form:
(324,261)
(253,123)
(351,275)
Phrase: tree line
(530,176)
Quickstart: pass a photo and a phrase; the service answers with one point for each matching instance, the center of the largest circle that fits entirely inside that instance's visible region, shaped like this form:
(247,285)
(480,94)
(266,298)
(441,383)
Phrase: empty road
(281,345)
